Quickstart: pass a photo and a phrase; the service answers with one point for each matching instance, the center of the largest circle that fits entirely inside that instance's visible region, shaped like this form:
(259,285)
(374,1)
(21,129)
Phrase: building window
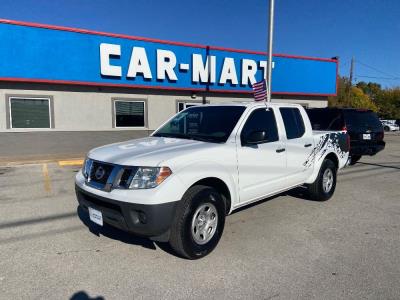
(186,104)
(129,113)
(27,112)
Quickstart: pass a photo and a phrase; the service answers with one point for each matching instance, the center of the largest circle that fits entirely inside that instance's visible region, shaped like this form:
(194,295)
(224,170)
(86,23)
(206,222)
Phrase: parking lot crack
(84,250)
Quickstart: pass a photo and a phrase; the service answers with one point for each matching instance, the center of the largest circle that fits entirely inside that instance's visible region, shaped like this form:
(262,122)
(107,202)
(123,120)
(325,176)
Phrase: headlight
(87,165)
(148,177)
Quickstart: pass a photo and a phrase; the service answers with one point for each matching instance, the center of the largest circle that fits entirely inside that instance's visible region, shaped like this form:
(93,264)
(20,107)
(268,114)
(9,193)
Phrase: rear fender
(331,145)
(317,165)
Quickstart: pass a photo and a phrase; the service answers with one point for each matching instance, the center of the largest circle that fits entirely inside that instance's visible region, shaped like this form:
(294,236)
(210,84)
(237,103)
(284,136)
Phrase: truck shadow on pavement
(120,235)
(299,192)
(125,237)
(379,165)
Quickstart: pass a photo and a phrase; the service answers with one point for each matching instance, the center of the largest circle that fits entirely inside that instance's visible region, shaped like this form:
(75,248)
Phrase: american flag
(260,90)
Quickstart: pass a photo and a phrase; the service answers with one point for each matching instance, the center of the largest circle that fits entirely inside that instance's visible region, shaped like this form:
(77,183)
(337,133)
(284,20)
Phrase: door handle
(280,150)
(307,145)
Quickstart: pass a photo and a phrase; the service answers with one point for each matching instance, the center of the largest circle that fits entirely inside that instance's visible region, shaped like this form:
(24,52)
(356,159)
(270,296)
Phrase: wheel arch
(331,156)
(219,185)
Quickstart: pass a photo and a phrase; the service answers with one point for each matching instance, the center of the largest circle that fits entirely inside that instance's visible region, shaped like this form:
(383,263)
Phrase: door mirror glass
(255,137)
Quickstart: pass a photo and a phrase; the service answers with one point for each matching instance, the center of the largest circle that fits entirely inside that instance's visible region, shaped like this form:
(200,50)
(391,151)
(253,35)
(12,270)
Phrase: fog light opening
(142,217)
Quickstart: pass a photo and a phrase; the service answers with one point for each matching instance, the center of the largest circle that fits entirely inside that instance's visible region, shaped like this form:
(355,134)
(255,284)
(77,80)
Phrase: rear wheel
(324,186)
(386,128)
(199,222)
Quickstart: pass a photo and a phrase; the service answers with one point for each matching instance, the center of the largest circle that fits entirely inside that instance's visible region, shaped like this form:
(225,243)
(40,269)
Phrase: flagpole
(269,57)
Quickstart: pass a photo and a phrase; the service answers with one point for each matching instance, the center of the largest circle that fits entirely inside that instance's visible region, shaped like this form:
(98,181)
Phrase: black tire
(181,238)
(354,159)
(386,128)
(316,190)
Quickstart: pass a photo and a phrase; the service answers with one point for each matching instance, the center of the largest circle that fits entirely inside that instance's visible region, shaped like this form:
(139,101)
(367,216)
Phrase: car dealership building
(57,79)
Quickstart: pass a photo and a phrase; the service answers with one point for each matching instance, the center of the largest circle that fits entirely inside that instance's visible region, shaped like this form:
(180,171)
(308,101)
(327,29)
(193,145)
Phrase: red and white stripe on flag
(260,90)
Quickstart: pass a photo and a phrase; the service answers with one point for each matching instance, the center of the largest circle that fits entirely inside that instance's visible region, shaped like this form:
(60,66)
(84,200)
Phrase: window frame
(29,97)
(114,113)
(184,102)
(302,121)
(249,116)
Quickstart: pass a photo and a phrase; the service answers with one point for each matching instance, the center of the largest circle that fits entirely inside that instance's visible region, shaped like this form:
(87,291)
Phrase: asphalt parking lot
(283,248)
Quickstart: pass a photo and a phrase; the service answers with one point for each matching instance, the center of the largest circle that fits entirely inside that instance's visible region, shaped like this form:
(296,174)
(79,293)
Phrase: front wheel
(324,186)
(199,222)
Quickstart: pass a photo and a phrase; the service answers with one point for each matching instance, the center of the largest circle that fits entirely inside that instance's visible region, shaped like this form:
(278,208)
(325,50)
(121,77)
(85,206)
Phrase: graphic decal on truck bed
(335,141)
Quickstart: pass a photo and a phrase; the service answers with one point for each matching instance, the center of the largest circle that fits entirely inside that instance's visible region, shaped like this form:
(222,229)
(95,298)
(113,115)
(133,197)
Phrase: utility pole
(351,71)
(350,79)
(269,58)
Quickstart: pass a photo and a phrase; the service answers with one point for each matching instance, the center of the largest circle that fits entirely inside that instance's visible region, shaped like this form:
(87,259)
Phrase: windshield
(362,120)
(204,123)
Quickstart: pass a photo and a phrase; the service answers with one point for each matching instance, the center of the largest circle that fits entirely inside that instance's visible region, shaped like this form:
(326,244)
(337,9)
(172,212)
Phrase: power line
(377,77)
(376,69)
(342,65)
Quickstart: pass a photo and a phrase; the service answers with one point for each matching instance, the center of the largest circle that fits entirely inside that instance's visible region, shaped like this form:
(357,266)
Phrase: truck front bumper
(153,220)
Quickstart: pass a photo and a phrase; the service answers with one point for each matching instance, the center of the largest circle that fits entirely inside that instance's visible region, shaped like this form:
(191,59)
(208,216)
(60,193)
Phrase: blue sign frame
(51,54)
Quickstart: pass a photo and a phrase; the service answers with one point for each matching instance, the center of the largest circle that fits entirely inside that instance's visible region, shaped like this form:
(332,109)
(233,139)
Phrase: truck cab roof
(255,104)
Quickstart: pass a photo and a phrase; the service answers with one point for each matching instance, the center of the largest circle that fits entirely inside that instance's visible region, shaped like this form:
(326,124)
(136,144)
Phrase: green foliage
(372,89)
(358,99)
(341,99)
(388,103)
(369,96)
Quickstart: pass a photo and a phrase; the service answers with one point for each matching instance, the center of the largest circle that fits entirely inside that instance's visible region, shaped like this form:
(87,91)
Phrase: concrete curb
(62,161)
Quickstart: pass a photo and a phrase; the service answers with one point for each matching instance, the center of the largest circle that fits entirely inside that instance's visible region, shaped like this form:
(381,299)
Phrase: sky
(368,30)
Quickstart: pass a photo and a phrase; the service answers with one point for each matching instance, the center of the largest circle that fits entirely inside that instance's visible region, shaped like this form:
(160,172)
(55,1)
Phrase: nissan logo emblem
(99,173)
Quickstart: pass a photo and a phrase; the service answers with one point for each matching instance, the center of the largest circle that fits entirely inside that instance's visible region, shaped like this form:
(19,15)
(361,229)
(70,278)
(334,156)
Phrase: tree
(388,102)
(351,96)
(372,89)
(358,99)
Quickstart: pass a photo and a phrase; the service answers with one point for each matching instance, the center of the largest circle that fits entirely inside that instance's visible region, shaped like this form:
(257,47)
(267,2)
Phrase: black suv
(363,126)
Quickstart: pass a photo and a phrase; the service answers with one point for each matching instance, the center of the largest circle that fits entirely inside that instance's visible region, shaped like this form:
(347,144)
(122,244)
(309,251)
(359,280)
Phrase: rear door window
(325,119)
(293,121)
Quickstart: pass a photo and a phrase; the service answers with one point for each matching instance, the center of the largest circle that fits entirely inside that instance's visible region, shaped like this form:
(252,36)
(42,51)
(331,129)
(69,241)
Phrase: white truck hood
(150,151)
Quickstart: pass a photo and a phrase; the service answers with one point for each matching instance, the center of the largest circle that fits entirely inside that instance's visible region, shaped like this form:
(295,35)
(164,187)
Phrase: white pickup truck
(179,184)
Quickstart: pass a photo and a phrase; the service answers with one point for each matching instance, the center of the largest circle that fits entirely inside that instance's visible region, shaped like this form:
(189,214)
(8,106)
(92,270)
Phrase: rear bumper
(142,220)
(367,149)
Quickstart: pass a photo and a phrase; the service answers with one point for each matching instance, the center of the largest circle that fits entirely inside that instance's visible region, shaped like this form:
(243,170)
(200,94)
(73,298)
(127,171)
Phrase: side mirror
(255,137)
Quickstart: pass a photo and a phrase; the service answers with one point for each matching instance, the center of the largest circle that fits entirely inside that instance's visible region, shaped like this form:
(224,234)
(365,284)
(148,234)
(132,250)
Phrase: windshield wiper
(203,139)
(172,135)
(186,137)
(197,138)
(161,135)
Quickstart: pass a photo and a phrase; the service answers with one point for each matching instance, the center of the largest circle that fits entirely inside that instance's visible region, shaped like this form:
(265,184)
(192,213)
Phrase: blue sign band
(41,53)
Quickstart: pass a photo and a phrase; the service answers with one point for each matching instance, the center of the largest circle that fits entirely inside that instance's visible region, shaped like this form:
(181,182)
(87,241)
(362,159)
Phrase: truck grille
(100,172)
(126,177)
